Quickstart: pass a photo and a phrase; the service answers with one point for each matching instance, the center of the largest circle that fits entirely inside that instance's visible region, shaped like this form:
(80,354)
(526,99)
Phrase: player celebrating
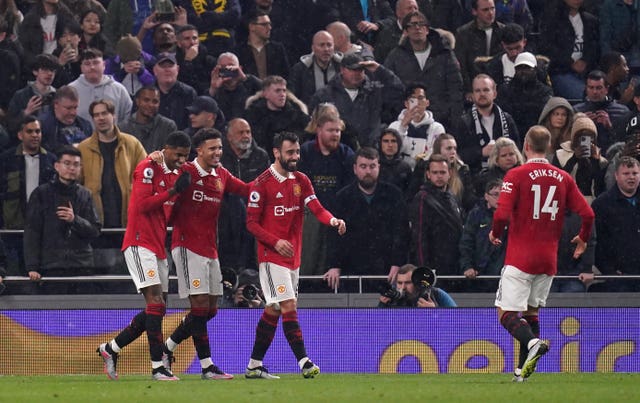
(533,201)
(194,245)
(274,216)
(144,251)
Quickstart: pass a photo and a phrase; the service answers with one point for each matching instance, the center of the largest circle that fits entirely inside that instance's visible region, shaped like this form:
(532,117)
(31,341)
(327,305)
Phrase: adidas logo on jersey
(162,184)
(200,182)
(279,195)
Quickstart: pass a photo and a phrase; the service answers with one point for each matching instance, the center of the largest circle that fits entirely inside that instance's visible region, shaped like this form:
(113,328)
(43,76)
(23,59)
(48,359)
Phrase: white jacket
(414,146)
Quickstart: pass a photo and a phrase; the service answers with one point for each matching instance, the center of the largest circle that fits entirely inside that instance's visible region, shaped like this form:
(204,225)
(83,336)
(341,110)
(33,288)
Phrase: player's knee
(288,305)
(213,311)
(199,301)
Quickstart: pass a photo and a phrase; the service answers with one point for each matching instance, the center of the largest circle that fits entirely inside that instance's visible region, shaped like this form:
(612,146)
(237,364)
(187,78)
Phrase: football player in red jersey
(533,201)
(275,213)
(194,245)
(154,185)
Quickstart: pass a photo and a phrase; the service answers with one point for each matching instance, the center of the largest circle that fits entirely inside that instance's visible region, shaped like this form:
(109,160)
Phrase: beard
(367,183)
(289,166)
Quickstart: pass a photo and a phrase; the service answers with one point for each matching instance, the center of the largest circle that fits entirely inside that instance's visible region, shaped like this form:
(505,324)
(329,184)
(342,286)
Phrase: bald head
(239,135)
(404,7)
(322,48)
(341,35)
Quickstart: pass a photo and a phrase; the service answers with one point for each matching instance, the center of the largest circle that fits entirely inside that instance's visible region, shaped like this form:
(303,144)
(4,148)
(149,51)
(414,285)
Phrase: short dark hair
(26,120)
(203,135)
(281,137)
(493,183)
(411,87)
(597,75)
(178,139)
(111,108)
(254,15)
(407,18)
(89,11)
(70,25)
(67,150)
(609,60)
(512,33)
(67,92)
(145,88)
(90,53)
(369,153)
(187,27)
(46,62)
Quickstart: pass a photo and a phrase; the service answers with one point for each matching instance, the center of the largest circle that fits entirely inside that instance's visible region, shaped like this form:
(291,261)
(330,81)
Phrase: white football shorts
(518,290)
(278,283)
(146,269)
(196,274)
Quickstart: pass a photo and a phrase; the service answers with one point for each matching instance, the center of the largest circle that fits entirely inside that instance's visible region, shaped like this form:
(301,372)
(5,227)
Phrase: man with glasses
(60,223)
(94,84)
(259,55)
(424,56)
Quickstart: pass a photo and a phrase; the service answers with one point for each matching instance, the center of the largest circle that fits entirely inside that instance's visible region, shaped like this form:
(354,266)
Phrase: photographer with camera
(415,288)
(242,290)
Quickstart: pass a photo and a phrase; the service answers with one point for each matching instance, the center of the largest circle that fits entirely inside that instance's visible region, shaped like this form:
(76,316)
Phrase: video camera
(424,278)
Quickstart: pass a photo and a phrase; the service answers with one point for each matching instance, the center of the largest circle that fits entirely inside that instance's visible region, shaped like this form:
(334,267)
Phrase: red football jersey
(195,217)
(275,211)
(149,206)
(533,201)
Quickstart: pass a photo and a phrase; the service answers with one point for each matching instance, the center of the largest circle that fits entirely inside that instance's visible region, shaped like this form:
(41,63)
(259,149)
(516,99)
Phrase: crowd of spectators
(410,112)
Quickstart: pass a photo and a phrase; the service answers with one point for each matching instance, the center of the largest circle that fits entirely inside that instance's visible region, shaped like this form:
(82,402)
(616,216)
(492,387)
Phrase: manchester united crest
(218,184)
(297,190)
(195,283)
(281,289)
(151,273)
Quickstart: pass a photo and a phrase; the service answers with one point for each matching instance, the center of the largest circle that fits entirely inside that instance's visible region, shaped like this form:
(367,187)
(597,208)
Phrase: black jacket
(378,231)
(557,40)
(469,148)
(617,226)
(441,75)
(51,243)
(436,228)
(363,115)
(277,59)
(265,123)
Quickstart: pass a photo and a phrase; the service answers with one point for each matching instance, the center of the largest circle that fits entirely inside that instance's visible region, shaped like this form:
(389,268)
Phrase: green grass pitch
(334,388)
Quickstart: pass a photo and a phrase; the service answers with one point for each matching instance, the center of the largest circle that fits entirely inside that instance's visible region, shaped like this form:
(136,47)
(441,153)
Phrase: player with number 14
(533,201)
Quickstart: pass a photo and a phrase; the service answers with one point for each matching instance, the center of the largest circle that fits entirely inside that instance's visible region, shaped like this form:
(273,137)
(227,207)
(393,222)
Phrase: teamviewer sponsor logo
(279,211)
(198,195)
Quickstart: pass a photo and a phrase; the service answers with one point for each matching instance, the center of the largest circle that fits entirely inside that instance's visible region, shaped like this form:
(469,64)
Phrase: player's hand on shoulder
(157,157)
